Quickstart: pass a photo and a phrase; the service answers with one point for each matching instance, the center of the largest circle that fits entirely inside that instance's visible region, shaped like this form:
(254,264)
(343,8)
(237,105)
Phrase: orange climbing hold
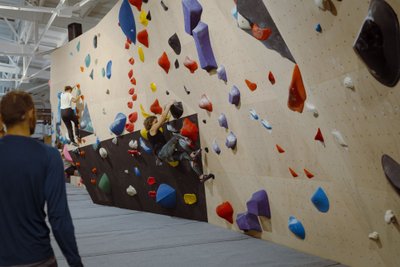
(133,117)
(293,173)
(297,93)
(271,78)
(261,34)
(130,127)
(143,38)
(164,63)
(252,86)
(130,104)
(136,3)
(77,164)
(155,107)
(190,64)
(78,86)
(134,97)
(319,137)
(131,61)
(94,170)
(190,130)
(133,81)
(82,69)
(82,154)
(132,91)
(205,103)
(308,174)
(130,74)
(93,181)
(280,150)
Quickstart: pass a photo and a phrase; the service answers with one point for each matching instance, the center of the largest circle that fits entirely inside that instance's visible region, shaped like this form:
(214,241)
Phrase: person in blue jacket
(31,176)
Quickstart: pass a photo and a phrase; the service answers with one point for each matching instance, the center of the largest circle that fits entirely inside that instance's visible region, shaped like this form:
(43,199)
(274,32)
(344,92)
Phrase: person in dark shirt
(31,176)
(170,150)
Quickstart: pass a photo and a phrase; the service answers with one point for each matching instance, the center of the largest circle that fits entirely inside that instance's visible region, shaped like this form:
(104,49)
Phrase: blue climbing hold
(203,45)
(96,144)
(318,28)
(234,96)
(118,126)
(137,172)
(166,196)
(266,125)
(253,114)
(145,147)
(320,200)
(192,14)
(296,227)
(234,12)
(78,46)
(108,69)
(127,21)
(87,61)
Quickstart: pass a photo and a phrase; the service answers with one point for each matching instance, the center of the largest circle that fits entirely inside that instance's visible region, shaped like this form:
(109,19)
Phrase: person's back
(31,176)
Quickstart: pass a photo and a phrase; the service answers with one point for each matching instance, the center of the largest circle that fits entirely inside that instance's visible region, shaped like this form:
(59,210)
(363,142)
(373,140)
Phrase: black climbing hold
(176,110)
(145,1)
(392,171)
(148,17)
(175,44)
(206,149)
(164,6)
(176,64)
(95,41)
(167,92)
(186,90)
(204,121)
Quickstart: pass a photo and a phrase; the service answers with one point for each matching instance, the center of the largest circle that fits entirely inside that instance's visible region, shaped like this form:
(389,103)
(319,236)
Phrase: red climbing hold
(94,170)
(252,86)
(77,164)
(319,137)
(190,64)
(93,181)
(271,78)
(225,211)
(308,174)
(190,130)
(151,180)
(134,97)
(134,152)
(130,127)
(293,173)
(280,150)
(205,103)
(136,3)
(130,74)
(297,93)
(130,104)
(127,45)
(132,91)
(131,61)
(133,81)
(128,41)
(155,107)
(261,34)
(152,194)
(164,63)
(133,117)
(82,153)
(143,38)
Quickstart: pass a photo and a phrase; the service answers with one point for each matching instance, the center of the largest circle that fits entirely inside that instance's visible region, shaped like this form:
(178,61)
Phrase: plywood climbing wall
(366,116)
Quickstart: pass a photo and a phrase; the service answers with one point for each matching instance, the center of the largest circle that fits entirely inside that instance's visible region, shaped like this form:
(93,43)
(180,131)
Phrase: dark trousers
(68,116)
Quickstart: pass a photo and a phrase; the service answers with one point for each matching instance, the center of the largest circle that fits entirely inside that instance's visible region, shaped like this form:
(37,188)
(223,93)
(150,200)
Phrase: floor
(109,236)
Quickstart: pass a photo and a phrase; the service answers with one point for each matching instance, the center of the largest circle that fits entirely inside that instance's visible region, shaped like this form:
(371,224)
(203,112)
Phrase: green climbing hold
(104,184)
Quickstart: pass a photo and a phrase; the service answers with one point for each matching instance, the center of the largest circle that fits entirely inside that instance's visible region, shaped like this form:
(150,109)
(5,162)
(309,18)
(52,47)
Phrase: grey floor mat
(109,236)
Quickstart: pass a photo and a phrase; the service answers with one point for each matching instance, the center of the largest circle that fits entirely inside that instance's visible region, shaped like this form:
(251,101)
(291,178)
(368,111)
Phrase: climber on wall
(67,114)
(170,150)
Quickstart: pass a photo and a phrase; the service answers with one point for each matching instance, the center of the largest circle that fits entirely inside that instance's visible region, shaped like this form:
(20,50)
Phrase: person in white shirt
(68,115)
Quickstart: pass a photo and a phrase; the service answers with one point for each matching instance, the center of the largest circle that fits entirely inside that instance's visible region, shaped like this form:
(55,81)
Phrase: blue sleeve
(57,208)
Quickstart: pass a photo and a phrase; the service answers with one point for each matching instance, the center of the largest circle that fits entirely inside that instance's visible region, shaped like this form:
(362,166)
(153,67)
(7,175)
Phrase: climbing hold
(130,104)
(320,200)
(133,144)
(133,117)
(271,78)
(152,194)
(127,45)
(223,121)
(173,163)
(143,18)
(133,81)
(96,144)
(148,16)
(234,96)
(164,63)
(77,164)
(253,114)
(192,14)
(234,12)
(143,145)
(134,152)
(94,170)
(225,211)
(82,69)
(190,64)
(114,140)
(163,5)
(297,93)
(390,217)
(108,69)
(190,199)
(175,44)
(78,46)
(374,236)
(216,147)
(167,92)
(259,33)
(318,28)
(136,3)
(339,138)
(280,149)
(231,141)
(93,181)
(242,22)
(141,54)
(143,133)
(206,149)
(186,90)
(144,113)
(87,61)
(143,37)
(190,130)
(130,127)
(221,72)
(205,103)
(203,45)
(104,184)
(296,227)
(252,86)
(67,155)
(131,191)
(126,171)
(259,204)
(82,153)
(372,45)
(117,127)
(318,136)
(266,125)
(103,72)
(153,87)
(322,4)
(166,196)
(176,110)
(91,75)
(156,108)
(204,121)
(348,83)
(176,64)
(293,173)
(391,169)
(127,21)
(137,172)
(151,180)
(132,91)
(130,74)
(131,61)
(247,221)
(310,107)
(308,174)
(103,152)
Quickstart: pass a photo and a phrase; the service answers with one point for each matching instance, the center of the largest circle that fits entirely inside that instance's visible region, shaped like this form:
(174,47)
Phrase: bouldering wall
(311,136)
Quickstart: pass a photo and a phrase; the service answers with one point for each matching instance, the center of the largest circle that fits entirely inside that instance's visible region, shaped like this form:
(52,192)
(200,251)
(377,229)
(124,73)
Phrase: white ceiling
(30,30)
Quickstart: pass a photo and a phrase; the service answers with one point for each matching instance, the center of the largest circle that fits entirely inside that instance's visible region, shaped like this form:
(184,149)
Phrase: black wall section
(182,178)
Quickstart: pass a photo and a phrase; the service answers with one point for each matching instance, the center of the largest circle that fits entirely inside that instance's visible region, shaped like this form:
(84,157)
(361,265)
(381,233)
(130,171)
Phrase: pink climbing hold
(205,103)
(164,63)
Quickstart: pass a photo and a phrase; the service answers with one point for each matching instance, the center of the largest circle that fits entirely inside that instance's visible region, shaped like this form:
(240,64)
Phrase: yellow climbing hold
(153,87)
(141,54)
(144,113)
(143,18)
(143,133)
(173,163)
(190,199)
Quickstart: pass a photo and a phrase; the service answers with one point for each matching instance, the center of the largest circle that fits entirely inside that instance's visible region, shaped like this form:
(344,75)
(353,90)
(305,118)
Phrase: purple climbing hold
(222,121)
(222,73)
(247,221)
(259,204)
(215,147)
(204,50)
(127,21)
(231,141)
(192,14)
(234,96)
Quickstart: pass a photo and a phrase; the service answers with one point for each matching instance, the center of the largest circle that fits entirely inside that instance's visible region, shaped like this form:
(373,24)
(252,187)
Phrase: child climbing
(67,114)
(171,150)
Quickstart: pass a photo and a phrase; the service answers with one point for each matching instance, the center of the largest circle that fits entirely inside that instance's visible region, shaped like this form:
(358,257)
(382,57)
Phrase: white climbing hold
(311,108)
(339,138)
(131,191)
(133,144)
(126,171)
(266,125)
(103,152)
(374,236)
(389,217)
(114,140)
(243,23)
(253,114)
(216,147)
(348,83)
(322,4)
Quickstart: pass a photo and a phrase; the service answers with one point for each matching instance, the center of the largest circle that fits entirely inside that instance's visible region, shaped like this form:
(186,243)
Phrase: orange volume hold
(319,137)
(280,150)
(297,93)
(164,63)
(308,174)
(252,86)
(293,173)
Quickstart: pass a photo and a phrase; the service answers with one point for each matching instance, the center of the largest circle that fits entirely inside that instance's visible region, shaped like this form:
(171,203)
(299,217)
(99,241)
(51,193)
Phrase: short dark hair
(13,107)
(148,122)
(67,88)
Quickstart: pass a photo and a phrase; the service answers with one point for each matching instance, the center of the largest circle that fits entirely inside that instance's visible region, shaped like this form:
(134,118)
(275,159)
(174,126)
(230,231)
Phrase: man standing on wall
(31,176)
(67,114)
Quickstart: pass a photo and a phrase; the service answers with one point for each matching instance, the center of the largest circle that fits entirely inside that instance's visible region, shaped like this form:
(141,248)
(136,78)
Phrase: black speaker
(74,30)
